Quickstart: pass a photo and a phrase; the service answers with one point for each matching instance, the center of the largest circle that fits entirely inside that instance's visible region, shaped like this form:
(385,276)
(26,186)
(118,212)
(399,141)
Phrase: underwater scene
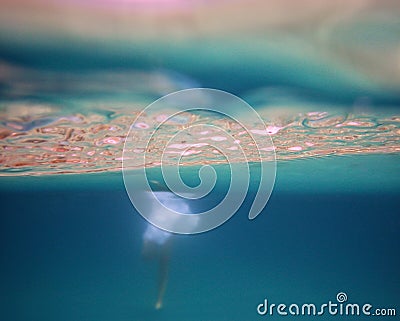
(199,160)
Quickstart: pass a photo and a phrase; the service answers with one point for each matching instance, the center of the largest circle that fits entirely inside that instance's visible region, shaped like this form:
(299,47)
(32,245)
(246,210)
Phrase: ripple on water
(47,141)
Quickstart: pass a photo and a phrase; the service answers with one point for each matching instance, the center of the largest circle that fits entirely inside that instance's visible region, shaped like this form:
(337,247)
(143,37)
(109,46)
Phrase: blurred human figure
(156,245)
(157,242)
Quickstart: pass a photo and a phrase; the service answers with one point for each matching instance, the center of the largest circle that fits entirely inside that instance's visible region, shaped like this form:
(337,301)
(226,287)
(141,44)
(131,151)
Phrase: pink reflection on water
(142,125)
(295,148)
(152,5)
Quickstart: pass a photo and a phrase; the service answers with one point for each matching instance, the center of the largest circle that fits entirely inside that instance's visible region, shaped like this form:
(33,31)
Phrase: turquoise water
(71,247)
(71,243)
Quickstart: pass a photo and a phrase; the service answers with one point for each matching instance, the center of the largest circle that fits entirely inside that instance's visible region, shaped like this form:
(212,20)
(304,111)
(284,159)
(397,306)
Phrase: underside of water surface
(325,82)
(72,134)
